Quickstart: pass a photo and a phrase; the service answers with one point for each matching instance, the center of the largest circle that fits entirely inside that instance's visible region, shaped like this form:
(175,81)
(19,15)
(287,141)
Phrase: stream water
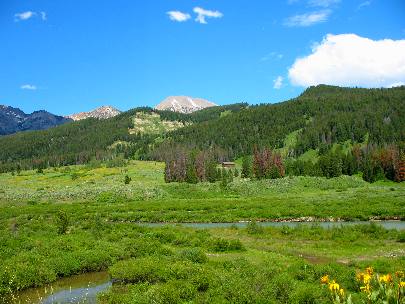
(75,289)
(399,225)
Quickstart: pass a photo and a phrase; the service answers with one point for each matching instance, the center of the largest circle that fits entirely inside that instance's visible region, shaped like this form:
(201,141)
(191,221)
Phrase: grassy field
(147,198)
(80,219)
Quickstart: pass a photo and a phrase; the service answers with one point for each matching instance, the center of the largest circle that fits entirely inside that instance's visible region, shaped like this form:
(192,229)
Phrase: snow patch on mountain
(184,104)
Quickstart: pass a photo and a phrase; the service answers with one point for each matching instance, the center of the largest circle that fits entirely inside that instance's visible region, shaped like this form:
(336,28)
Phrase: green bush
(74,176)
(223,245)
(282,288)
(195,255)
(109,198)
(118,161)
(62,222)
(306,293)
(142,247)
(172,292)
(127,180)
(401,237)
(254,228)
(148,269)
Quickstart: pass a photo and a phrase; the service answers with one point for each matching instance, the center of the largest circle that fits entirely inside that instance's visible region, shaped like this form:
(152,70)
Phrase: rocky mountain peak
(103,112)
(184,104)
(14,120)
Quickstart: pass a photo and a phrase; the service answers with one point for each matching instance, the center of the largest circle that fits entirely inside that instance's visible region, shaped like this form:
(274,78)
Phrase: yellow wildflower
(360,276)
(365,288)
(369,271)
(342,292)
(325,279)
(367,278)
(401,284)
(385,278)
(399,274)
(333,286)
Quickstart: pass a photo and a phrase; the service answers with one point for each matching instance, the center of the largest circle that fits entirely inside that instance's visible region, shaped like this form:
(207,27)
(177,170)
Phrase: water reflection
(76,289)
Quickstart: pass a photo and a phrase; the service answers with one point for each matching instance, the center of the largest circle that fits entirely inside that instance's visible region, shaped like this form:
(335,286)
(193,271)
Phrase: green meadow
(81,219)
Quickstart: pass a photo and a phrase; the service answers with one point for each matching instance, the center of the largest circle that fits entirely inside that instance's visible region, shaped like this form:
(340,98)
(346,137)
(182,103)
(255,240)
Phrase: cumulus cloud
(24,15)
(28,87)
(307,19)
(278,82)
(351,60)
(202,14)
(28,15)
(178,16)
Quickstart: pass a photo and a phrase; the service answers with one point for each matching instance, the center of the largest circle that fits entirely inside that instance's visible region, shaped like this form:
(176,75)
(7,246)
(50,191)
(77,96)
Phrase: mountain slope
(324,115)
(103,112)
(80,141)
(183,104)
(14,120)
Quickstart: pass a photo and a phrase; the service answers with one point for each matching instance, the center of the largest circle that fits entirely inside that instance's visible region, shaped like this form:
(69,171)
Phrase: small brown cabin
(228,165)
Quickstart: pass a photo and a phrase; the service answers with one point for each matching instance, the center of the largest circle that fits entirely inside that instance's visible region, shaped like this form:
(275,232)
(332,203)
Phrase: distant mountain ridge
(103,112)
(184,104)
(14,120)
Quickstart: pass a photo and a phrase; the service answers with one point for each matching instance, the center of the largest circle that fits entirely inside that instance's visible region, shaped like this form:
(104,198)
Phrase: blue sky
(72,56)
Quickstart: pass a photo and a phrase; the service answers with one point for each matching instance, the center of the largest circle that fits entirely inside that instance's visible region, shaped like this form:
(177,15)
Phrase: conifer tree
(211,171)
(191,174)
(246,167)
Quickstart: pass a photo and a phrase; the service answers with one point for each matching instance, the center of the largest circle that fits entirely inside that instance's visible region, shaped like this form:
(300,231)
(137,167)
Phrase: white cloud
(307,19)
(323,3)
(28,87)
(364,4)
(351,60)
(178,16)
(43,16)
(202,14)
(278,82)
(28,15)
(24,15)
(397,84)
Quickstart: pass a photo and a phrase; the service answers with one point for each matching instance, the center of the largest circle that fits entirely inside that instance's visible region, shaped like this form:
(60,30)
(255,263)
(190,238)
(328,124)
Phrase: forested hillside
(320,117)
(79,142)
(323,115)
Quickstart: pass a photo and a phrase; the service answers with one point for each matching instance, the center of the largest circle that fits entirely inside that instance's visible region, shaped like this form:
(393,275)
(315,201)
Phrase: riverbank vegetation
(172,264)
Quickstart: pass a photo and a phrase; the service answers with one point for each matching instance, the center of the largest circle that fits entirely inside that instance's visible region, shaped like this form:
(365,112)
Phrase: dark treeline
(201,166)
(193,166)
(374,162)
(267,164)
